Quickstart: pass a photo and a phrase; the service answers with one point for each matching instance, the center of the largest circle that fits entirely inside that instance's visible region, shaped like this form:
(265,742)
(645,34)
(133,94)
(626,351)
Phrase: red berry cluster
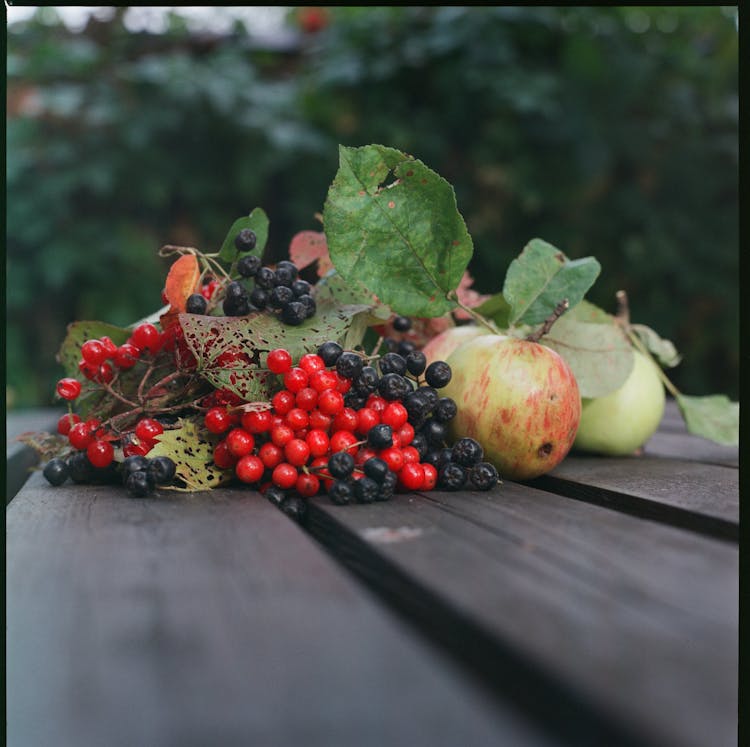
(289,444)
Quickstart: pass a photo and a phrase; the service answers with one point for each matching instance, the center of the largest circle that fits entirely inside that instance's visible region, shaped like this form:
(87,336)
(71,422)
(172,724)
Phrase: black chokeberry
(280,296)
(380,436)
(349,365)
(366,490)
(401,323)
(355,400)
(196,304)
(405,347)
(309,304)
(245,240)
(452,476)
(80,468)
(264,278)
(483,476)
(286,273)
(236,306)
(376,469)
(393,386)
(235,289)
(56,471)
(416,362)
(392,363)
(385,493)
(139,484)
(467,452)
(293,313)
(341,464)
(421,444)
(434,431)
(341,492)
(438,374)
(417,405)
(248,266)
(162,470)
(259,298)
(367,381)
(301,288)
(132,464)
(445,410)
(330,352)
(431,396)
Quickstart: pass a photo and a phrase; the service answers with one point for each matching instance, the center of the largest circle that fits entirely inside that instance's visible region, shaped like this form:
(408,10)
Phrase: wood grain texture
(700,497)
(627,625)
(211,619)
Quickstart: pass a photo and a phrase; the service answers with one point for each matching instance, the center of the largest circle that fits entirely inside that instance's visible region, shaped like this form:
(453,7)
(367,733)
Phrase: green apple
(442,345)
(519,399)
(621,422)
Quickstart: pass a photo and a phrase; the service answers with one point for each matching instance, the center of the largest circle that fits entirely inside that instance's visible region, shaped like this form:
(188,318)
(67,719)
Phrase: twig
(558,311)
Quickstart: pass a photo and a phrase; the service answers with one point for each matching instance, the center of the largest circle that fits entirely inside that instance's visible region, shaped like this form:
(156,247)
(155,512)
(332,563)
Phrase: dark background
(606,131)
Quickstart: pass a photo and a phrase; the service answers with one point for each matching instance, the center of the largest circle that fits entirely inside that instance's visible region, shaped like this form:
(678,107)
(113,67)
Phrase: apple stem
(558,311)
(488,323)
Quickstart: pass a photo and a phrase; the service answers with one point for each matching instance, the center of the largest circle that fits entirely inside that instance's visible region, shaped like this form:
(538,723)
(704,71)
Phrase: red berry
(109,346)
(366,419)
(257,421)
(249,468)
(297,452)
(239,442)
(331,402)
(430,476)
(279,361)
(93,352)
(393,457)
(284,475)
(68,388)
(346,420)
(311,363)
(217,420)
(344,441)
(66,422)
(374,402)
(323,379)
(307,398)
(395,415)
(297,418)
(320,465)
(282,402)
(363,455)
(411,455)
(411,476)
(343,384)
(405,434)
(100,453)
(295,379)
(281,435)
(270,454)
(80,435)
(136,449)
(127,355)
(320,420)
(147,429)
(318,442)
(87,369)
(223,458)
(146,337)
(105,373)
(307,485)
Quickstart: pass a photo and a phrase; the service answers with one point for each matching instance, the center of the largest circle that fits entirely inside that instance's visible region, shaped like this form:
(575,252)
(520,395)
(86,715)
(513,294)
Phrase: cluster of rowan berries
(342,426)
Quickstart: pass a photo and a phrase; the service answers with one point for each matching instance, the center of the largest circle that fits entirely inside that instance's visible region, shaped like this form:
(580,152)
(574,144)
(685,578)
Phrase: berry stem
(477,317)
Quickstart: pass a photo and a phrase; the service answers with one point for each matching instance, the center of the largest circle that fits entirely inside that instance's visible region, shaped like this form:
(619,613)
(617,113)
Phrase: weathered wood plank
(700,497)
(605,620)
(678,445)
(212,619)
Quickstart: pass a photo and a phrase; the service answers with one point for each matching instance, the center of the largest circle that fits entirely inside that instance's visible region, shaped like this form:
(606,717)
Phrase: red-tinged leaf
(182,280)
(307,247)
(468,296)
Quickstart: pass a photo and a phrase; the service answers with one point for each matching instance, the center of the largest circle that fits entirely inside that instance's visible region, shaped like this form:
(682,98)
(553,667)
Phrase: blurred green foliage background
(607,131)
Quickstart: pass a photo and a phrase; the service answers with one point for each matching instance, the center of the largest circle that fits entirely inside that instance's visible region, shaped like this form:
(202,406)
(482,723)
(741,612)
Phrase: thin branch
(558,311)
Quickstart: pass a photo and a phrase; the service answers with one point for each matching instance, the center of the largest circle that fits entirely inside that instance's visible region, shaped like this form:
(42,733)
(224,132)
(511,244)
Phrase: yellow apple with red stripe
(519,399)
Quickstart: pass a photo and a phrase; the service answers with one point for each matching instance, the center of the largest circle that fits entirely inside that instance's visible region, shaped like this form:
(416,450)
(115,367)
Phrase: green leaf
(333,289)
(541,277)
(600,355)
(497,309)
(231,351)
(714,417)
(585,311)
(664,350)
(192,452)
(393,224)
(257,221)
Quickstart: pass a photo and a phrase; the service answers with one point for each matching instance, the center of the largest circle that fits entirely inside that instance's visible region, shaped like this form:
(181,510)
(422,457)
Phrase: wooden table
(597,605)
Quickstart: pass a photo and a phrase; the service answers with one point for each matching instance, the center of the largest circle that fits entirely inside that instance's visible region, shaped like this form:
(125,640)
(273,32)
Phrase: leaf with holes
(599,355)
(257,221)
(231,351)
(393,224)
(541,277)
(192,452)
